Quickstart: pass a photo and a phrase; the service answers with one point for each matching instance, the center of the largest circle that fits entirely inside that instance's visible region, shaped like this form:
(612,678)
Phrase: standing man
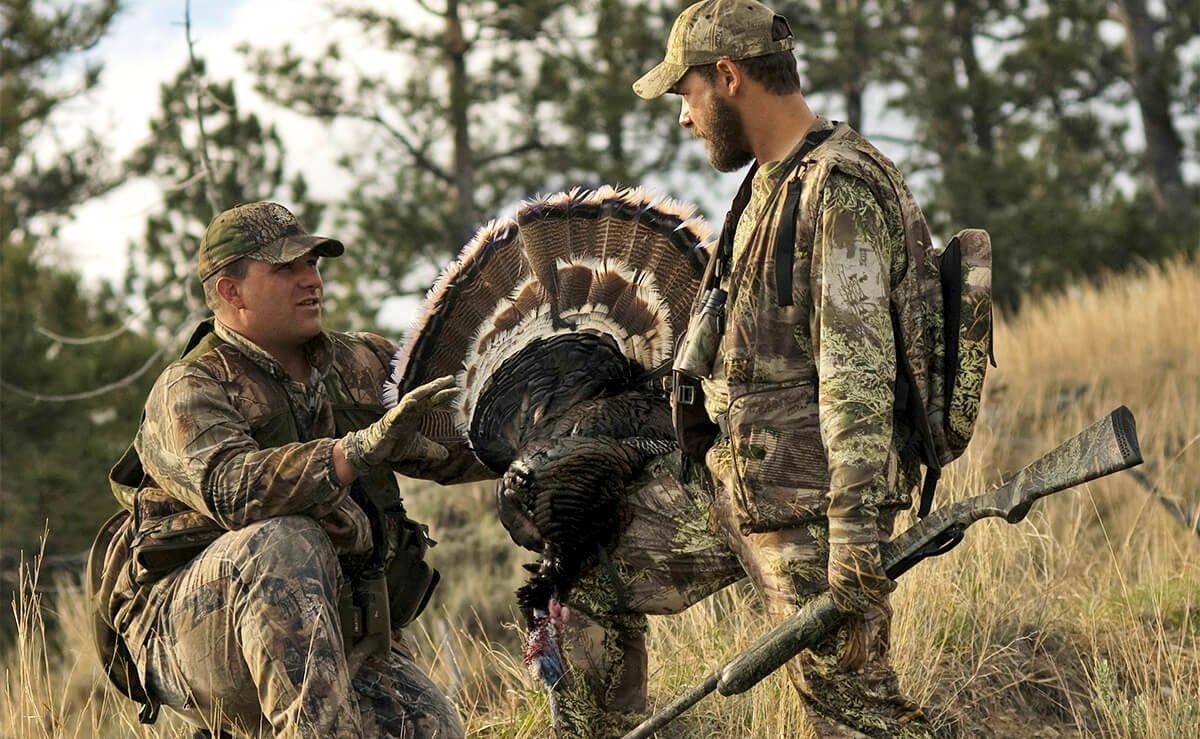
(807,467)
(263,566)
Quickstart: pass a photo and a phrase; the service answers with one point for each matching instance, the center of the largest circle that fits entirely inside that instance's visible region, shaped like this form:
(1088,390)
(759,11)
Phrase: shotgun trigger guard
(935,547)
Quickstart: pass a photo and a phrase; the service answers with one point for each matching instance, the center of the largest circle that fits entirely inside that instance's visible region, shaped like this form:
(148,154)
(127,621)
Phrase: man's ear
(729,78)
(231,292)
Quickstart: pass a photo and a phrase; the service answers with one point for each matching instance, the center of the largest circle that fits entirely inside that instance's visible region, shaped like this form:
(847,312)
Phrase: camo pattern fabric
(974,338)
(788,568)
(809,422)
(246,639)
(679,544)
(667,557)
(212,482)
(716,387)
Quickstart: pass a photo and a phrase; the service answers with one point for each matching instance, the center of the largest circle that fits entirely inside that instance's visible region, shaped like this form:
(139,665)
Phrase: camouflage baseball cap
(264,231)
(712,30)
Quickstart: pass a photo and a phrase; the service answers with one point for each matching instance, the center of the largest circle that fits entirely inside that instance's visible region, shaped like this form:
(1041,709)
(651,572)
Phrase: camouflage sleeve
(855,353)
(198,448)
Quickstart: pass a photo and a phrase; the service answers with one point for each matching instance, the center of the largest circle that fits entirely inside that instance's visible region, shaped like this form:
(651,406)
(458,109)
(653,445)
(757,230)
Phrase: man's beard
(728,148)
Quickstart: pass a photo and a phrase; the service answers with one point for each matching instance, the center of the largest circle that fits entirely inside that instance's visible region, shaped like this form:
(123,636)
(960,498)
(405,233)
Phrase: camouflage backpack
(941,314)
(942,322)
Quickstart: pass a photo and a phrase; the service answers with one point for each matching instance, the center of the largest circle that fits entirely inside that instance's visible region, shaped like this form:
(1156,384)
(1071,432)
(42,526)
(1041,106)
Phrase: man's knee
(292,548)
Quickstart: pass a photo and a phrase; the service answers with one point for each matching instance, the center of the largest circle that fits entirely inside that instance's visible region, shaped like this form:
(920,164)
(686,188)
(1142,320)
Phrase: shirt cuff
(326,472)
(854,530)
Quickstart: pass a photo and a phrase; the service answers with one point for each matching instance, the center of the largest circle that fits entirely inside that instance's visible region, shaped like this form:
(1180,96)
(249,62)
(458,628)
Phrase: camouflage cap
(264,231)
(712,30)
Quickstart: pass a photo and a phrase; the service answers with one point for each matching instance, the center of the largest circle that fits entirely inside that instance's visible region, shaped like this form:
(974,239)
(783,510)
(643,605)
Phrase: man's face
(706,114)
(282,302)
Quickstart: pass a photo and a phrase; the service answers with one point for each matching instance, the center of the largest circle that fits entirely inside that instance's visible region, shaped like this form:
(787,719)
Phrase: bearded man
(793,461)
(806,464)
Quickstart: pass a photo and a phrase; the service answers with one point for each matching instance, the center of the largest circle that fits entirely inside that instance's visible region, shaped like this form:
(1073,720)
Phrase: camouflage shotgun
(1108,446)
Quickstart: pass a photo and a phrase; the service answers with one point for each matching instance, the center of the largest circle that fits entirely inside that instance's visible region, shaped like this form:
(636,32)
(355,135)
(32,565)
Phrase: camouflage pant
(246,638)
(681,543)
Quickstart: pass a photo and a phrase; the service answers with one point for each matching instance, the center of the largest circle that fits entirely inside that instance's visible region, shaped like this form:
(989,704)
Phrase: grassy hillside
(1083,620)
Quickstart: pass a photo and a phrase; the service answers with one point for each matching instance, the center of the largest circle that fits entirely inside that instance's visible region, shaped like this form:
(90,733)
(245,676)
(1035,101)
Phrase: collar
(819,124)
(319,351)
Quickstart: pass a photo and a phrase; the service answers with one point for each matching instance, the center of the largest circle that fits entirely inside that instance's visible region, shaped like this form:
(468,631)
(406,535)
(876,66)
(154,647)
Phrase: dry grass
(1083,620)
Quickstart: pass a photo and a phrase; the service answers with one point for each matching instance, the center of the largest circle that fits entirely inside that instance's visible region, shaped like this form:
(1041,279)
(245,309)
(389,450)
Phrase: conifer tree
(494,102)
(40,179)
(247,159)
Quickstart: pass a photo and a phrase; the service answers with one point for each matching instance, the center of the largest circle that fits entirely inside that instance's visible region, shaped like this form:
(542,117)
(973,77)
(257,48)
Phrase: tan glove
(860,588)
(394,438)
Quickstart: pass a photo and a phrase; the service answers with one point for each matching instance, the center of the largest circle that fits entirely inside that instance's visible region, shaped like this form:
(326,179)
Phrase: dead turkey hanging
(556,325)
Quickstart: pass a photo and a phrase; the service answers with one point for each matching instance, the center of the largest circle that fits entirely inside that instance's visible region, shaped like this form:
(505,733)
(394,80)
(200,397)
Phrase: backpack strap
(729,228)
(785,236)
(910,406)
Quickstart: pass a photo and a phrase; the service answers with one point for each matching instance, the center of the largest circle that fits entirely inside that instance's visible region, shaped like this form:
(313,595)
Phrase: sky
(146,47)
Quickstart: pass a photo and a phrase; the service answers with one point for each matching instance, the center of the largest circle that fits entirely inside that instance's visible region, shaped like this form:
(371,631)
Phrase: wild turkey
(556,324)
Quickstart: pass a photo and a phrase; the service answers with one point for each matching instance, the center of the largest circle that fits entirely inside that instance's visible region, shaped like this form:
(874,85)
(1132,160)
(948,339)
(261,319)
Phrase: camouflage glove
(394,438)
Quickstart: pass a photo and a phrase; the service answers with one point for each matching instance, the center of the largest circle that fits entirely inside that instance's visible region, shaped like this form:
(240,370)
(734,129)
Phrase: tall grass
(1082,620)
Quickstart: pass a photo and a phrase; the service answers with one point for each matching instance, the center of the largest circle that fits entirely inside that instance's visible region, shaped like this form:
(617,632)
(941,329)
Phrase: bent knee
(289,547)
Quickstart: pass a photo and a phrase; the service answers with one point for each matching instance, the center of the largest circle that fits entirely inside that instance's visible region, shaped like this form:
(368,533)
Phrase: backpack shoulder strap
(729,228)
(785,236)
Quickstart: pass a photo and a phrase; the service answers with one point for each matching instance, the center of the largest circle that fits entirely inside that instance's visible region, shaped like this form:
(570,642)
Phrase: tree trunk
(978,87)
(855,84)
(464,156)
(1148,77)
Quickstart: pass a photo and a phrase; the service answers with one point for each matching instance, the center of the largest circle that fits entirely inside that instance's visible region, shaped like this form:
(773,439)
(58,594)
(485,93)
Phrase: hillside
(1083,620)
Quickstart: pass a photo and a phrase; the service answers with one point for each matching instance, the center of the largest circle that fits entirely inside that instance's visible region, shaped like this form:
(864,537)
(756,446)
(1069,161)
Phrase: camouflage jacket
(228,438)
(806,380)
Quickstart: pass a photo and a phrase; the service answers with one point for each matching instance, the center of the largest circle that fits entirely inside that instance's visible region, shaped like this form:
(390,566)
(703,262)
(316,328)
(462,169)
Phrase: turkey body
(557,327)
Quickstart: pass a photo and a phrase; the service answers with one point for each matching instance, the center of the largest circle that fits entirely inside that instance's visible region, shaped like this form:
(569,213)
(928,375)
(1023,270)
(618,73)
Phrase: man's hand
(394,438)
(860,588)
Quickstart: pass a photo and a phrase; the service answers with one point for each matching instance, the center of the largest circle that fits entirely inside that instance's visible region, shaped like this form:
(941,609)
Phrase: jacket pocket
(164,545)
(779,462)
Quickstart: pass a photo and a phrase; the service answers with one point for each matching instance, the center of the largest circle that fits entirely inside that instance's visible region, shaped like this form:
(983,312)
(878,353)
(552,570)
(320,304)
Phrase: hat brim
(659,80)
(291,248)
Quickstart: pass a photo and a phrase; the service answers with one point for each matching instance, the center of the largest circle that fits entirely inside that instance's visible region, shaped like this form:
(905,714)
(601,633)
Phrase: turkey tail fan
(573,299)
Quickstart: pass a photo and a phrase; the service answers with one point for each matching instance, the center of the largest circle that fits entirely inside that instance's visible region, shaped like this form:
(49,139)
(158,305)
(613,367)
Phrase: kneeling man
(263,566)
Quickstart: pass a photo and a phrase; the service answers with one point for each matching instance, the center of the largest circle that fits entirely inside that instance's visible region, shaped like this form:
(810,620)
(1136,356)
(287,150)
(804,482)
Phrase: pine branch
(901,140)
(125,381)
(429,9)
(419,156)
(125,327)
(528,146)
(86,394)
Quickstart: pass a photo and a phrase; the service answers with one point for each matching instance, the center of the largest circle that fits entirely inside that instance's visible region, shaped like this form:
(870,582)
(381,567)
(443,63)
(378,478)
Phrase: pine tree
(40,182)
(501,101)
(54,455)
(1005,97)
(69,408)
(247,158)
